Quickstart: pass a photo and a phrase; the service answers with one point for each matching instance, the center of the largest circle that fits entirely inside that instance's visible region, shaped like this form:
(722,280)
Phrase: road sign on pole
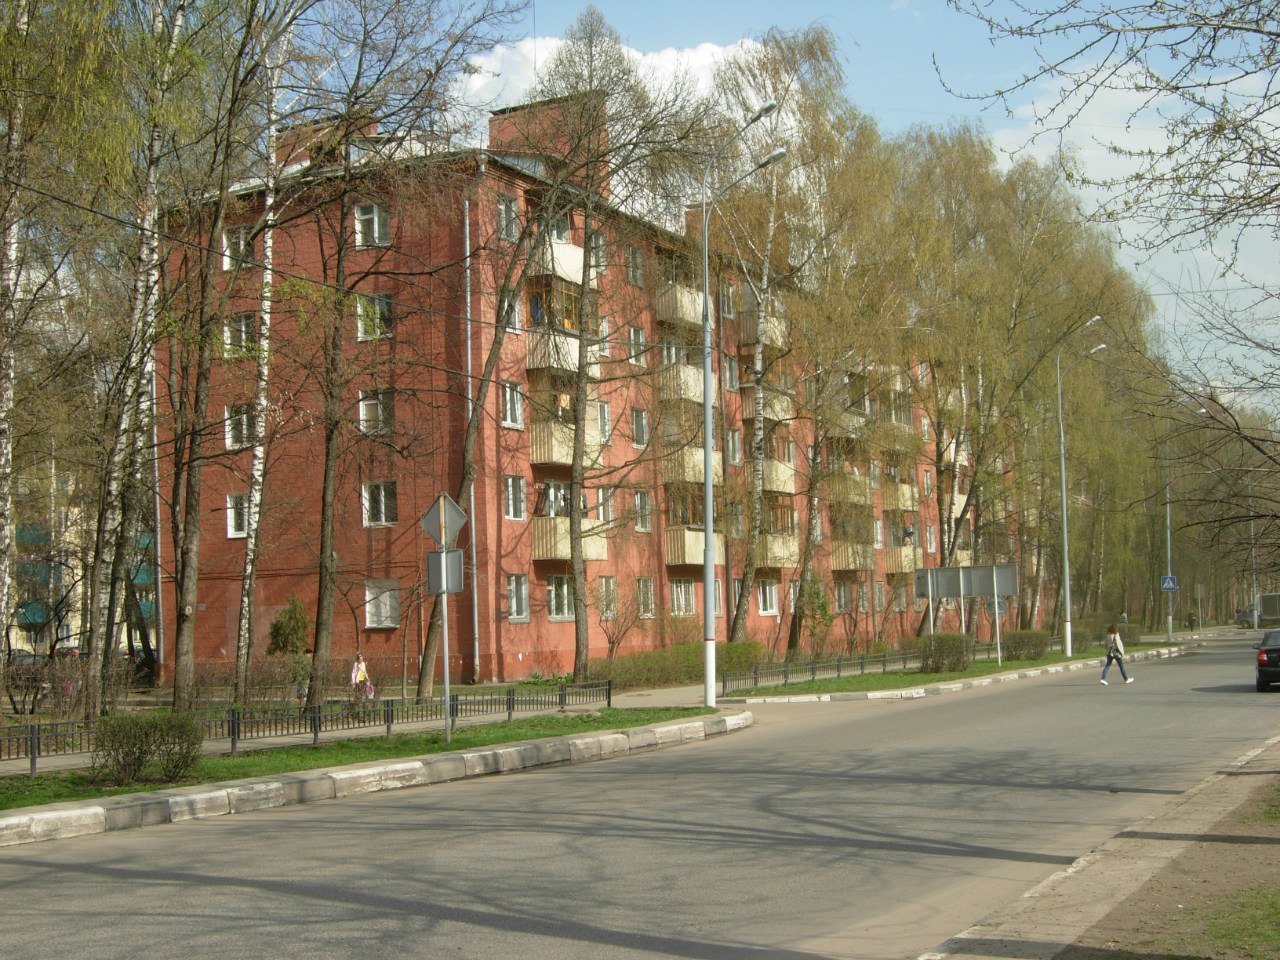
(444,520)
(1168,584)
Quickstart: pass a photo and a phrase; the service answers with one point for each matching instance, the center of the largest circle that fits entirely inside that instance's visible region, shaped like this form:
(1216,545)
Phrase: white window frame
(767,598)
(372,224)
(683,600)
(636,346)
(509,313)
(931,538)
(556,494)
(733,441)
(844,596)
(644,512)
(381,604)
(237,246)
(373,316)
(877,532)
(597,255)
(559,597)
(645,607)
(379,504)
(602,346)
(727,307)
(376,410)
(237,516)
(514,498)
(607,597)
(719,599)
(240,332)
(604,505)
(639,428)
(240,429)
(732,374)
(508,217)
(880,598)
(635,266)
(512,399)
(604,420)
(517,598)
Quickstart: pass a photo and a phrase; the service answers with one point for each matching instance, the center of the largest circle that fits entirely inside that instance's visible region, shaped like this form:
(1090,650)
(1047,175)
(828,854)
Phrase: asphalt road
(848,829)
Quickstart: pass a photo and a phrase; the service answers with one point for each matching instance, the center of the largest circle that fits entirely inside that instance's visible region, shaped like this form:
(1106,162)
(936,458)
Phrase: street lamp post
(1062,476)
(708,492)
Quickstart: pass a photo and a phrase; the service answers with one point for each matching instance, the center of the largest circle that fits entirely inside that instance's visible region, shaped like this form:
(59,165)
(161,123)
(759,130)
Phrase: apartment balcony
(848,422)
(551,443)
(846,488)
(852,556)
(777,405)
(686,466)
(900,559)
(551,540)
(559,258)
(679,305)
(680,381)
(962,558)
(898,496)
(683,546)
(779,477)
(759,325)
(548,348)
(780,550)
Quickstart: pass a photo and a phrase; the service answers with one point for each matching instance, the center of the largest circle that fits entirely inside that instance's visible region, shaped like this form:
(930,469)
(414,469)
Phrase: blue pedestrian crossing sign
(1168,584)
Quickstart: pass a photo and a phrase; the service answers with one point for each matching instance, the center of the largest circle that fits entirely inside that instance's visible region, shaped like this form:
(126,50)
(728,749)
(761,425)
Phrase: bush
(289,630)
(123,745)
(945,653)
(1025,644)
(675,666)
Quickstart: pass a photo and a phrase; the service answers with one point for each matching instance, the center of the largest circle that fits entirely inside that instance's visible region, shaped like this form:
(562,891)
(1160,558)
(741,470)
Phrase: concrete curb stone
(131,811)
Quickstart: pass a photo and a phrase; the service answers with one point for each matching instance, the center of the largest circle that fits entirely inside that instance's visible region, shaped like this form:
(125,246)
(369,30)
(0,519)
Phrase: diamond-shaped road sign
(443,520)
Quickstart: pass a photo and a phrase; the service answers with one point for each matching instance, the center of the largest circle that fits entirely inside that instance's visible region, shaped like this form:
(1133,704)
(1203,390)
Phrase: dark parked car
(1244,618)
(1268,660)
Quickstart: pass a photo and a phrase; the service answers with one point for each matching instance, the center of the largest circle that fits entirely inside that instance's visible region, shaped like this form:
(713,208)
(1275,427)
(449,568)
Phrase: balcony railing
(683,546)
(551,443)
(548,348)
(680,381)
(780,550)
(898,496)
(551,540)
(761,326)
(679,304)
(777,404)
(685,465)
(852,556)
(900,559)
(779,477)
(559,258)
(846,488)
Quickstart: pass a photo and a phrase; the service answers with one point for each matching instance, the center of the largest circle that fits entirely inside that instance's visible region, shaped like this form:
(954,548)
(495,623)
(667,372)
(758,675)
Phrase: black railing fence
(237,725)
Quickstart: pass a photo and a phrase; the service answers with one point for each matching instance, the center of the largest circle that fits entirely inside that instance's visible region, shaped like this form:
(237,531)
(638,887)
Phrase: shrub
(944,653)
(289,630)
(674,666)
(1025,644)
(124,743)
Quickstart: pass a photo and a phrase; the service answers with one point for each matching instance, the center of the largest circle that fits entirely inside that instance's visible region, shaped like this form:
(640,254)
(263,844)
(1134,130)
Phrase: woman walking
(1115,651)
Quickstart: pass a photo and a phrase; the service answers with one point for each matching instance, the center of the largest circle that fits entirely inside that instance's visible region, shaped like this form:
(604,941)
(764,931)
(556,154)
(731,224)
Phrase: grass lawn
(24,791)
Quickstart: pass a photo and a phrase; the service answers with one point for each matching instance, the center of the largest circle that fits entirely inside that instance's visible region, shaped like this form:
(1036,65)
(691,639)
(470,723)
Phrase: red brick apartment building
(426,249)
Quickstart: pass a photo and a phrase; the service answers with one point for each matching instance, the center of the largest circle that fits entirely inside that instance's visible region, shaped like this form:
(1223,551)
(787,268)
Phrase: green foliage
(289,630)
(674,666)
(1025,644)
(125,743)
(945,653)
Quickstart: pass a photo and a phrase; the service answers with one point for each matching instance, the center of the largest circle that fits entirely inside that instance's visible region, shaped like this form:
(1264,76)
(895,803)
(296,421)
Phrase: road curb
(62,821)
(933,690)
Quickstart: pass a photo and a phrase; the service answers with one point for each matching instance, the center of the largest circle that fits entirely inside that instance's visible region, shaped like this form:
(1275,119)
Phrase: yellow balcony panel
(899,559)
(686,466)
(680,381)
(847,488)
(852,556)
(898,496)
(679,304)
(779,477)
(780,550)
(683,546)
(551,443)
(551,539)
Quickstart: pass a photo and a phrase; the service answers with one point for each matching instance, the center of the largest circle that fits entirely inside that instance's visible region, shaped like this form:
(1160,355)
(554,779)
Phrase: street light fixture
(708,493)
(1062,474)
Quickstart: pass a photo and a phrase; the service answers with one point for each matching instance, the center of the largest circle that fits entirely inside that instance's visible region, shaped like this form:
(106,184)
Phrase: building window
(602,346)
(718,599)
(509,312)
(518,598)
(607,597)
(733,441)
(604,505)
(900,597)
(512,406)
(635,266)
(924,428)
(560,597)
(377,409)
(513,498)
(373,225)
(240,426)
(682,602)
(644,511)
(240,333)
(844,596)
(635,346)
(767,597)
(644,598)
(604,421)
(596,251)
(684,507)
(928,483)
(553,501)
(237,515)
(557,228)
(732,381)
(877,532)
(381,604)
(639,427)
(726,300)
(931,538)
(880,597)
(863,605)
(373,316)
(380,503)
(737,514)
(508,217)
(237,246)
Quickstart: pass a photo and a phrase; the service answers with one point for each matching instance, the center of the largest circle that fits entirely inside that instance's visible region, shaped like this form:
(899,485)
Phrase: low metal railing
(236,725)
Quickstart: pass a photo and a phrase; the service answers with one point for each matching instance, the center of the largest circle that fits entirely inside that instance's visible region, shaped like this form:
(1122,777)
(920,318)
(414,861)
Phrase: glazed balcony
(551,539)
(683,546)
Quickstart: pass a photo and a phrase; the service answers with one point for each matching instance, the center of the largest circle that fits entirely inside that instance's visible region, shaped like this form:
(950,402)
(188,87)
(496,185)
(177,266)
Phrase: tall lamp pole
(708,492)
(1062,476)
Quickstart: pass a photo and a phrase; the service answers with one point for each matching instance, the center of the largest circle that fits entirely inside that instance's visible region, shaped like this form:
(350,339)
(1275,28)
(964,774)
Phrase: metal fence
(236,725)
(792,671)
